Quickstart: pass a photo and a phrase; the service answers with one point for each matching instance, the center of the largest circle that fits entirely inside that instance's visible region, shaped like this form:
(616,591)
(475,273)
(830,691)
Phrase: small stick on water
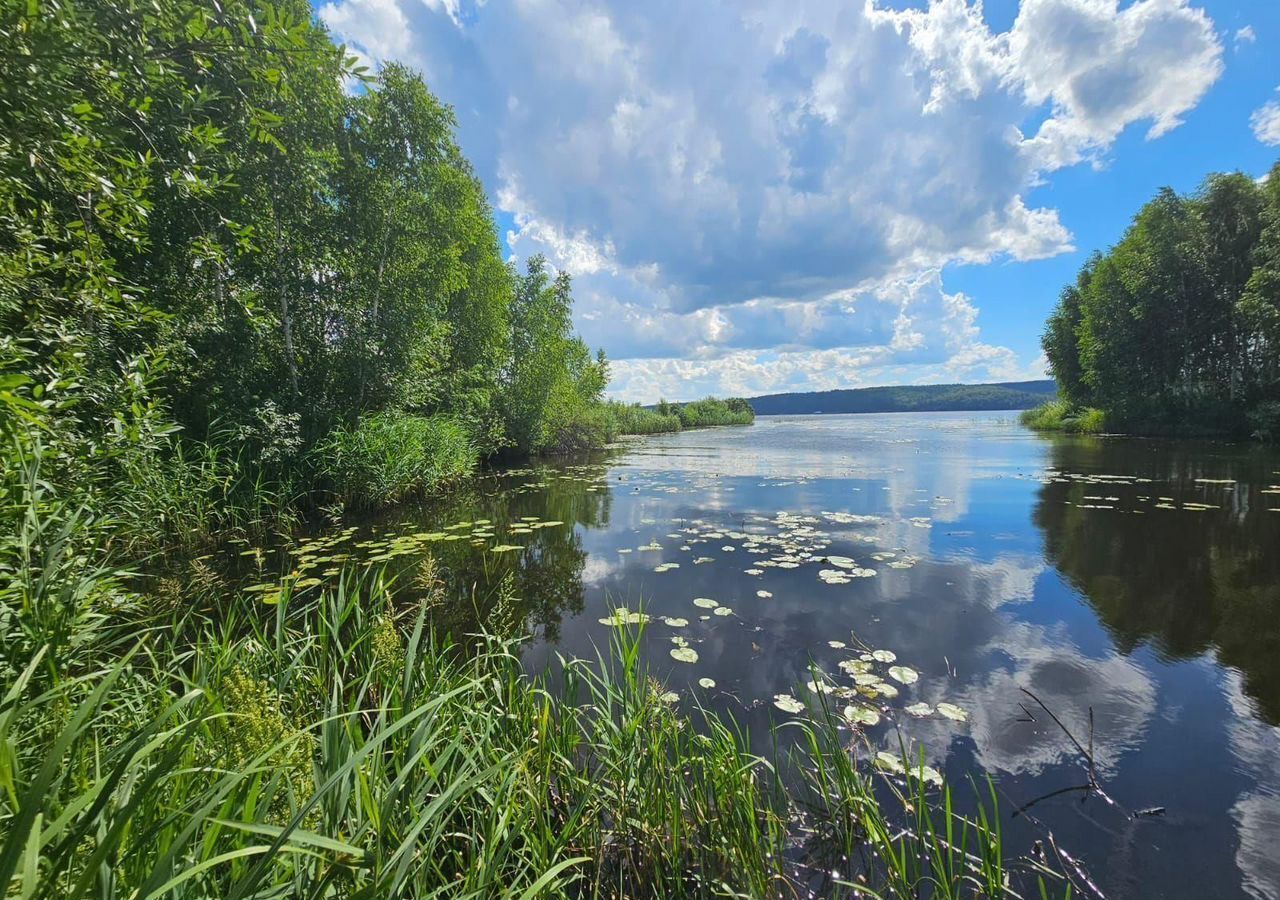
(1094,786)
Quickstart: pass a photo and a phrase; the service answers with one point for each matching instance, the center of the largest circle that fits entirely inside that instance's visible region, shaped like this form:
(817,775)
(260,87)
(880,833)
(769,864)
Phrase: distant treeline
(908,398)
(1176,329)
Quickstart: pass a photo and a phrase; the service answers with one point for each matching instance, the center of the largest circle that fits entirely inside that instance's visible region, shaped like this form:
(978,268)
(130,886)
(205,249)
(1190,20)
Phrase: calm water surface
(1134,578)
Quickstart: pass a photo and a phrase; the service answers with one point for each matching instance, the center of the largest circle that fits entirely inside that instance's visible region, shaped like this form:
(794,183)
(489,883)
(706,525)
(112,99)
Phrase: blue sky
(759,196)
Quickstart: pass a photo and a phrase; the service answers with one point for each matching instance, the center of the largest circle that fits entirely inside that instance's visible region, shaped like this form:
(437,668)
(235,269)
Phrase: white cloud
(1265,122)
(1246,35)
(747,193)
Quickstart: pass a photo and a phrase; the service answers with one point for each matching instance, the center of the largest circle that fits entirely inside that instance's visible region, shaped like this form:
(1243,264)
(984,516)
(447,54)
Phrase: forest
(246,288)
(1176,329)
(234,262)
(908,398)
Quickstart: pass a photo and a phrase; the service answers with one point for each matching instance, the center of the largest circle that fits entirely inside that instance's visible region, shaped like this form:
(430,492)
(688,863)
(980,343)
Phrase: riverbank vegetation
(1176,329)
(214,255)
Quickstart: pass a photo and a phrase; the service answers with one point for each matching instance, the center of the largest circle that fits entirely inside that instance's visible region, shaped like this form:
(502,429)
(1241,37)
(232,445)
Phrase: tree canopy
(1175,328)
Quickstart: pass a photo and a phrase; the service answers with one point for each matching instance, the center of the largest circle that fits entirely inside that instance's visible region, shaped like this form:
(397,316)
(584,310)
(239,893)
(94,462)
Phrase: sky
(758,196)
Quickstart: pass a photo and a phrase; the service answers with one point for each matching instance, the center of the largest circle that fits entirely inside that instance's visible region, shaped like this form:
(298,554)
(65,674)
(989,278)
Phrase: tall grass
(1059,415)
(635,419)
(389,456)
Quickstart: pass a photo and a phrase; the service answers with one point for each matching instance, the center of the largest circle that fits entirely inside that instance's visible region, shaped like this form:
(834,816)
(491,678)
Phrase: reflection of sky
(980,616)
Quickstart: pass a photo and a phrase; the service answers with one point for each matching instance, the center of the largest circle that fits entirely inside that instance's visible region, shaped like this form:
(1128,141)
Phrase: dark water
(1137,579)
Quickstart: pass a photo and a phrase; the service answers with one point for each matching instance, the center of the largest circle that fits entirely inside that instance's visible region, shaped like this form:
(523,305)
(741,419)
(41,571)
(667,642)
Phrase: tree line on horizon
(1176,328)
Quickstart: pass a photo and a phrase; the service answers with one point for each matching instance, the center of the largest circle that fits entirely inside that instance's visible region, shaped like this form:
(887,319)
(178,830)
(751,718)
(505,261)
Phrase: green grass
(1059,415)
(635,419)
(387,457)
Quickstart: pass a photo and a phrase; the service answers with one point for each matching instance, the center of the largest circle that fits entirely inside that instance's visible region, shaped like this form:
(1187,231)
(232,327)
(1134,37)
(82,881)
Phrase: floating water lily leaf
(889,762)
(763,595)
(623,616)
(705,602)
(787,703)
(707,683)
(884,656)
(853,666)
(723,611)
(951,711)
(927,774)
(920,709)
(675,621)
(904,674)
(504,548)
(885,689)
(684,654)
(861,715)
(836,645)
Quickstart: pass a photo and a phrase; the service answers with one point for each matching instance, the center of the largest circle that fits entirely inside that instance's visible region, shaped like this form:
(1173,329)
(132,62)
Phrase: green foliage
(212,258)
(635,419)
(708,412)
(1174,329)
(386,457)
(551,379)
(1062,415)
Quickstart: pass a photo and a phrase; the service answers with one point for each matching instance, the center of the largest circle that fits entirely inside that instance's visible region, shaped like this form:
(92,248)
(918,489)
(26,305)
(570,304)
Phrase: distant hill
(909,398)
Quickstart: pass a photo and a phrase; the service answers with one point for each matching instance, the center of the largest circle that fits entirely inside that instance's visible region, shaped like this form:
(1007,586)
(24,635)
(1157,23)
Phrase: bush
(635,419)
(390,456)
(585,428)
(711,411)
(1059,415)
(1265,422)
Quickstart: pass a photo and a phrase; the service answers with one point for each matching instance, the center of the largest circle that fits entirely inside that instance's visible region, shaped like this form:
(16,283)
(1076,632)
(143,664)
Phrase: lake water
(1136,579)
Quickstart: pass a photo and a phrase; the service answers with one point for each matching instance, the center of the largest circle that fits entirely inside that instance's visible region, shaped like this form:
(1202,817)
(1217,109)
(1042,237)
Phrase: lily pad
(787,703)
(861,715)
(706,683)
(705,602)
(684,654)
(903,674)
(951,711)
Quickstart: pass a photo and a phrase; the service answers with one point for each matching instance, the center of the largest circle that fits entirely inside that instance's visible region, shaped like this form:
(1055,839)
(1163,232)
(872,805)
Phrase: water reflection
(1133,583)
(538,585)
(1187,581)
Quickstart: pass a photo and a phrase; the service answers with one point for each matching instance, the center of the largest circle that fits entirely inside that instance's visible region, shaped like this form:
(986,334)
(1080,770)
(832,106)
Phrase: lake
(1133,581)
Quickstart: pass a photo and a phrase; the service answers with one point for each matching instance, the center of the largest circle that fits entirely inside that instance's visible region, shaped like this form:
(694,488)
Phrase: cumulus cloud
(747,193)
(1265,122)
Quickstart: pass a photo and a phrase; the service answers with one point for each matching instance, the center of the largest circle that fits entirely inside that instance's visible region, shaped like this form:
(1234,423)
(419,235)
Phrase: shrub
(711,411)
(1265,422)
(390,456)
(635,419)
(1059,415)
(584,428)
